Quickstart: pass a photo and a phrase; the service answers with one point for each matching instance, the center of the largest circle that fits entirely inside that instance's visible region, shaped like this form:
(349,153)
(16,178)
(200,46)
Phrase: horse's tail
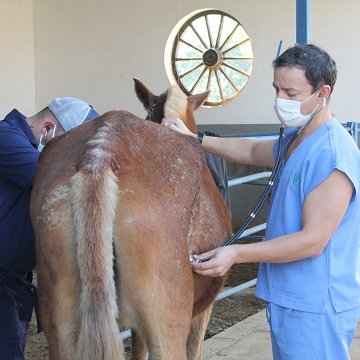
(94,190)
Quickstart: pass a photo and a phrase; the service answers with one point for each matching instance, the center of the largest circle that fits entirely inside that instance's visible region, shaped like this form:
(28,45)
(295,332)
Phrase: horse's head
(172,103)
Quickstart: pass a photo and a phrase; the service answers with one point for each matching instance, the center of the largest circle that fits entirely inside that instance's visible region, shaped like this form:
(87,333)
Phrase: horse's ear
(197,100)
(145,96)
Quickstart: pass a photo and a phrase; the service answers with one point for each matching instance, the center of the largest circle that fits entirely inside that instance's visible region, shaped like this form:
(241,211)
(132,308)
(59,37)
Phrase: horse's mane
(176,103)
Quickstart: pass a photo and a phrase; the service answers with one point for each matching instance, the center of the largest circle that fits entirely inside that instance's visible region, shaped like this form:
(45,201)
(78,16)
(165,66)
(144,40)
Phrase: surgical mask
(41,146)
(289,113)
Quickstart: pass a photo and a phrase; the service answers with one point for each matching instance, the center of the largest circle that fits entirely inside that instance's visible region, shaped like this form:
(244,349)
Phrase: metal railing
(352,127)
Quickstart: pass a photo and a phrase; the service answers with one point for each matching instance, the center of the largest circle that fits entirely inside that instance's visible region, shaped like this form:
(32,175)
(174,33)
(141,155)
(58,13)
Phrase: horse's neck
(190,123)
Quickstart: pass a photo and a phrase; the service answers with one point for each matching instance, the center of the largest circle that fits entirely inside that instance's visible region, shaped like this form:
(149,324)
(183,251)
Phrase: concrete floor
(250,340)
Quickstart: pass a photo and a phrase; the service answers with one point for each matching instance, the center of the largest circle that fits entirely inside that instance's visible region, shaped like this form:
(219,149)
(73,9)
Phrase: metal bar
(303,21)
(352,128)
(258,136)
(248,178)
(125,334)
(253,230)
(256,238)
(236,289)
(279,48)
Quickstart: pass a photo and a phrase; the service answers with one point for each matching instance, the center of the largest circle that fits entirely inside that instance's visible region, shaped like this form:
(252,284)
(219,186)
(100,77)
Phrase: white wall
(93,52)
(17,72)
(92,49)
(336,27)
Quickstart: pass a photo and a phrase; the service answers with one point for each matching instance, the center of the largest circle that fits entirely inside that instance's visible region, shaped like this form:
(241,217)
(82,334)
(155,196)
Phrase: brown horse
(118,204)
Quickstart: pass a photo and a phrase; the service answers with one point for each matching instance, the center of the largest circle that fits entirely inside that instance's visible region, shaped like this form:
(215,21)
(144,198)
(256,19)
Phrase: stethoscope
(274,174)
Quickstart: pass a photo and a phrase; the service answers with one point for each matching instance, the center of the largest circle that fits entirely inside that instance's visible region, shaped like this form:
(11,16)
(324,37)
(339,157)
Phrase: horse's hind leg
(165,341)
(164,322)
(197,334)
(139,349)
(155,296)
(58,299)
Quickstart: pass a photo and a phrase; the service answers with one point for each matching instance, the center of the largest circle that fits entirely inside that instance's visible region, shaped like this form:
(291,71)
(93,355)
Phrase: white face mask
(289,113)
(41,146)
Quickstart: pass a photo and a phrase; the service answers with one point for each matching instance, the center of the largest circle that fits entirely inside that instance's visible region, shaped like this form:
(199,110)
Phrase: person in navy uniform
(21,140)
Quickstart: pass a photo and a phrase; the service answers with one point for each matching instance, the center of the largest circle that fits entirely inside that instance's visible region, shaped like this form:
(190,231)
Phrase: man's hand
(216,263)
(177,125)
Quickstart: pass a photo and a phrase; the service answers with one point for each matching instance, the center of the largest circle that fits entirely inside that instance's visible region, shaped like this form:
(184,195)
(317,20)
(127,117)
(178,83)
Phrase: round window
(209,50)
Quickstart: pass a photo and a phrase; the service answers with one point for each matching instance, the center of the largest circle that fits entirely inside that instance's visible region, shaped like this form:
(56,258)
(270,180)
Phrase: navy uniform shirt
(18,161)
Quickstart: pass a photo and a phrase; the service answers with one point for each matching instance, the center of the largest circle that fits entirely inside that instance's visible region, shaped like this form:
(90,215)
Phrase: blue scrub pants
(13,331)
(299,335)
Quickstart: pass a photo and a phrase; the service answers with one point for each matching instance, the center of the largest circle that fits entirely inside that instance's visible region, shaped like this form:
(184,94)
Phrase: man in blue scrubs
(309,271)
(21,140)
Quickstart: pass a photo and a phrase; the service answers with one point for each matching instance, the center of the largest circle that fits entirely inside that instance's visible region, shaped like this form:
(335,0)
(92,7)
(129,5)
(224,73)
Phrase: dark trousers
(13,331)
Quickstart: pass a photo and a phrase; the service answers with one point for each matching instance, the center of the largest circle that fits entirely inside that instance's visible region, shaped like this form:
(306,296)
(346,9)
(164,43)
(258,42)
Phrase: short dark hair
(320,68)
(44,113)
(47,113)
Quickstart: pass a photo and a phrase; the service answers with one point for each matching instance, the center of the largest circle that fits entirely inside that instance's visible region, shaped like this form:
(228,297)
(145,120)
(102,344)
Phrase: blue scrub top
(305,284)
(18,161)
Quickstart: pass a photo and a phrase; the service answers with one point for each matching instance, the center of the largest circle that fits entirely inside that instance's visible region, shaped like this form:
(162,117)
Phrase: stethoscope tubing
(279,159)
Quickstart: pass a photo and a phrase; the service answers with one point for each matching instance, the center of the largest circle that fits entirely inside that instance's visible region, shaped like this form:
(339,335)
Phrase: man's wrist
(201,134)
